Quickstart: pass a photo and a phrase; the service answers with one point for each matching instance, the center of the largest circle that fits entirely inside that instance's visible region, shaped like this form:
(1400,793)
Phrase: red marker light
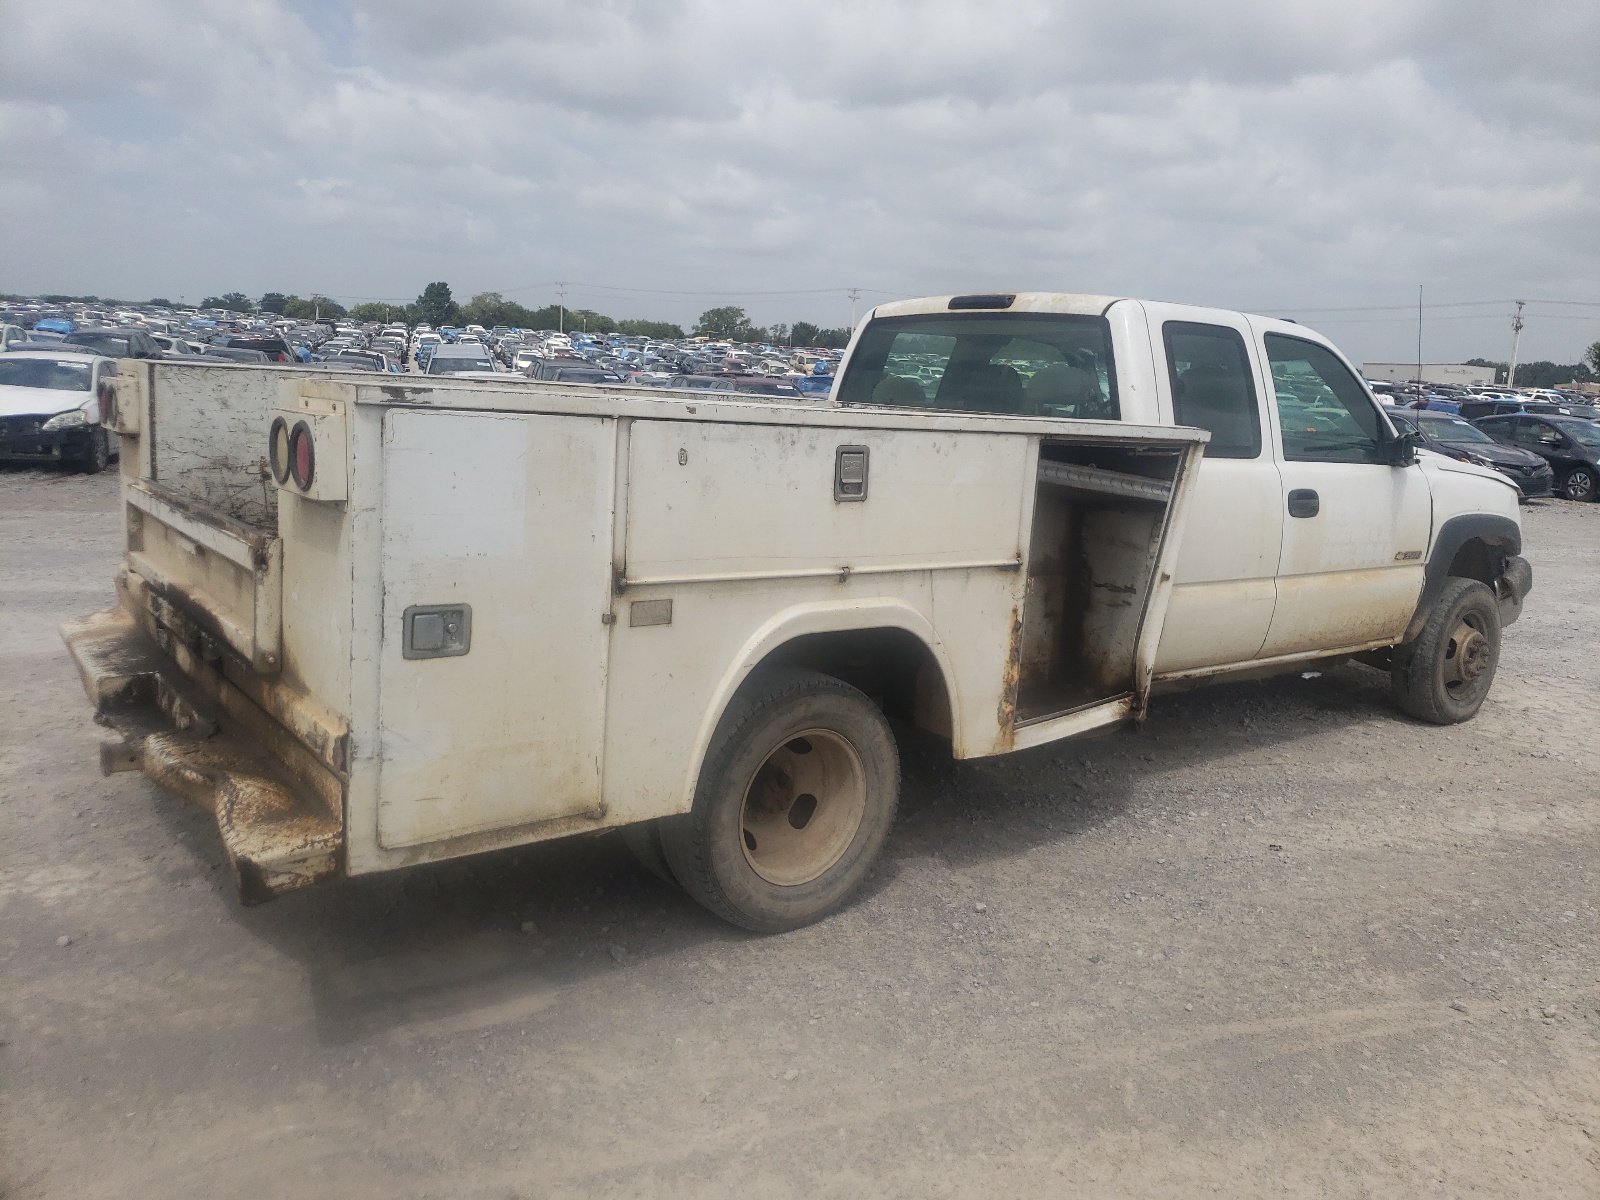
(302,456)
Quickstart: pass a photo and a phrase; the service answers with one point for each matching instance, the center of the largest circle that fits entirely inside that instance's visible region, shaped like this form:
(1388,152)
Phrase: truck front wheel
(1443,675)
(795,799)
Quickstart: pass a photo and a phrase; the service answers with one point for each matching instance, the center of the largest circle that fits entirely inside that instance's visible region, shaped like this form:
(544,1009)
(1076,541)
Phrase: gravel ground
(1280,941)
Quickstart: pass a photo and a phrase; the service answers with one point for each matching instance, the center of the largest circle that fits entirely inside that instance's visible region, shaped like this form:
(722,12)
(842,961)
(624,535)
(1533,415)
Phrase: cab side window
(1536,435)
(1323,410)
(1212,389)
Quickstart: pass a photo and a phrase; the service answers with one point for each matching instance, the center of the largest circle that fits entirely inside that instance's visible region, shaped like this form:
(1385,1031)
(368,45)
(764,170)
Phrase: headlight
(66,420)
(1480,460)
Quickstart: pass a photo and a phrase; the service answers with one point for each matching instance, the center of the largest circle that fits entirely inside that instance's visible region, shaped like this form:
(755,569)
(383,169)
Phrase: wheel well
(1477,559)
(893,667)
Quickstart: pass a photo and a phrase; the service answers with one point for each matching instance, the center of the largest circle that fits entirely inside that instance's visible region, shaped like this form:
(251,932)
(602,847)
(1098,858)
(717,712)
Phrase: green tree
(273,302)
(804,333)
(232,301)
(1592,357)
(158,302)
(377,310)
(312,309)
(729,322)
(649,329)
(436,306)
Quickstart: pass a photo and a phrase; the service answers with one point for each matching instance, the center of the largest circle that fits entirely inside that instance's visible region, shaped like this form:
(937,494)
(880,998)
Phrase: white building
(1431,372)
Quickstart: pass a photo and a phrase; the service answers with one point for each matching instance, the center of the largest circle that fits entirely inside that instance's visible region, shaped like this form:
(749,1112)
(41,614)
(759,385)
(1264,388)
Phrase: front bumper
(22,439)
(1512,587)
(1531,481)
(278,835)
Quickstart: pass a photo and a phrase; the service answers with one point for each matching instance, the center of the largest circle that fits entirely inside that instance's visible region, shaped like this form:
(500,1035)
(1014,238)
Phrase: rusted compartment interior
(1096,531)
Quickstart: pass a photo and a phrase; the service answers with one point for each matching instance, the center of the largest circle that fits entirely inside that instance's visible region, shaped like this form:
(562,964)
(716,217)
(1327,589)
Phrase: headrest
(897,389)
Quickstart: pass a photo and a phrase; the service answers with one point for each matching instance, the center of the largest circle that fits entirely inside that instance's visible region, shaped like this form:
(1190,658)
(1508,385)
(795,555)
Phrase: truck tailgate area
(279,835)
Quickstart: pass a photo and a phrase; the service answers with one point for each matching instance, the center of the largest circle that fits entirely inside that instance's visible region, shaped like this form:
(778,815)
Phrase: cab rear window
(1034,364)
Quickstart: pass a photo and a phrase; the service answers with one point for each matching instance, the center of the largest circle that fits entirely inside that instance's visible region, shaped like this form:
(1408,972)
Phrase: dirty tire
(644,842)
(1579,484)
(796,796)
(98,456)
(1443,675)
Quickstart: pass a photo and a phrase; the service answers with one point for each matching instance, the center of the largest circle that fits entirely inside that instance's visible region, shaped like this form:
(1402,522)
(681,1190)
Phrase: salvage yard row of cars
(55,359)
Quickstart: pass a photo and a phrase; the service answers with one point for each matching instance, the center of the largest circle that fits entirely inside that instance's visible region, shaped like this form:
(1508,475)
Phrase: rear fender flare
(794,622)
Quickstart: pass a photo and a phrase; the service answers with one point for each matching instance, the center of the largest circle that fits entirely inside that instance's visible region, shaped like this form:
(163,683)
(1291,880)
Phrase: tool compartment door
(509,515)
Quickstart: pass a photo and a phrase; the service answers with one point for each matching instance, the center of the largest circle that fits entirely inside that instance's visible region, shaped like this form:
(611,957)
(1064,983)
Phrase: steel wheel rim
(803,807)
(1467,654)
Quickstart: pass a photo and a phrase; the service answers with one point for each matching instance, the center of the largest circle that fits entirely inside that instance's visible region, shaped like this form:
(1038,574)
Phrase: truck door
(496,556)
(1223,592)
(1356,530)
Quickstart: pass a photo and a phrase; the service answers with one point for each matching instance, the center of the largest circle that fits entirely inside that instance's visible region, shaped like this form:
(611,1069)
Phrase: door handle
(1303,502)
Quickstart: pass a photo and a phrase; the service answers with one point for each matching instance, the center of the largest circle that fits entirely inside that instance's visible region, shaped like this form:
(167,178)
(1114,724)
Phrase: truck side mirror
(1403,449)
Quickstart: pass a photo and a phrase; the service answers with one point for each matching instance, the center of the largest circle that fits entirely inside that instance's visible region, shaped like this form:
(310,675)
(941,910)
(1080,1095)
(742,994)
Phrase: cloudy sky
(1313,159)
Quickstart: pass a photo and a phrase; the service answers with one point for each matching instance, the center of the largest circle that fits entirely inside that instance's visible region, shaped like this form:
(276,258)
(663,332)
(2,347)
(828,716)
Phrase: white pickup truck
(371,622)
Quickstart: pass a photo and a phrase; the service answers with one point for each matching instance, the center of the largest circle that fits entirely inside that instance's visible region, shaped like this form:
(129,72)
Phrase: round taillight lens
(278,449)
(302,456)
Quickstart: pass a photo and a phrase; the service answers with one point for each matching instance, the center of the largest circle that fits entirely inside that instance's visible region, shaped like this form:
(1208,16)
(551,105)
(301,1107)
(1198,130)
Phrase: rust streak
(1006,714)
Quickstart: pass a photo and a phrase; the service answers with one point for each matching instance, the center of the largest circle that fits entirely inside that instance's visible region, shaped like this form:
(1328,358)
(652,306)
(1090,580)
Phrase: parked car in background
(460,359)
(755,385)
(12,337)
(1465,442)
(50,408)
(1569,444)
(275,348)
(115,343)
(1474,410)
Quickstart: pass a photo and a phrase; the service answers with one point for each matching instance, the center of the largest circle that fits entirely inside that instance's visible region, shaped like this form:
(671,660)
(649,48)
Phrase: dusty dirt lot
(1279,942)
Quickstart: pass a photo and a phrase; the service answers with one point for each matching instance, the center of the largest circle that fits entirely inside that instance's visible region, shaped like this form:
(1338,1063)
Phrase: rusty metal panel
(221,575)
(508,514)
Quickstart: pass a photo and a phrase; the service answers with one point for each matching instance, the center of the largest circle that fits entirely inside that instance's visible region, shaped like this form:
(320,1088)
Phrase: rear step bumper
(278,840)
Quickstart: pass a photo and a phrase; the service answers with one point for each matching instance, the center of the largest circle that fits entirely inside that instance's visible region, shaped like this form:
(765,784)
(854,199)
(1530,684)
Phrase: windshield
(44,373)
(1452,429)
(1038,364)
(1581,432)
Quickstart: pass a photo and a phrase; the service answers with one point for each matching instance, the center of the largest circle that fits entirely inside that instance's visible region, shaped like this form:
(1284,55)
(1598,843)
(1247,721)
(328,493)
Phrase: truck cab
(1315,529)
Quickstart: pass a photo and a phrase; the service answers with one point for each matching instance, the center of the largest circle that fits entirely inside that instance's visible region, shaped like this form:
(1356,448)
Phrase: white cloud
(1244,153)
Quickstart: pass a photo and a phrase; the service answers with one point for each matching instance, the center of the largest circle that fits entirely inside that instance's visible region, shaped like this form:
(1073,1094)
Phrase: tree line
(1543,374)
(436,306)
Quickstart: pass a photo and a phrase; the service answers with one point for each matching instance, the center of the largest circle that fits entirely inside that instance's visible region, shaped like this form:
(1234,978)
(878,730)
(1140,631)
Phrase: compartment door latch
(850,473)
(437,631)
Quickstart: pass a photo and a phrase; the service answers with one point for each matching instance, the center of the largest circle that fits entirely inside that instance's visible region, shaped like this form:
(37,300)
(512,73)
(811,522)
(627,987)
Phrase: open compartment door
(1107,521)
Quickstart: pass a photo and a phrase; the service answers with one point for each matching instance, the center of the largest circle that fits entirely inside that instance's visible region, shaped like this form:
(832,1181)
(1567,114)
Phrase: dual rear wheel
(795,799)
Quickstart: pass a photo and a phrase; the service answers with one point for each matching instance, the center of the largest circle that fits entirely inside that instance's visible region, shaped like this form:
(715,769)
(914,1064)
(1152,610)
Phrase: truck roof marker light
(302,456)
(988,300)
(278,449)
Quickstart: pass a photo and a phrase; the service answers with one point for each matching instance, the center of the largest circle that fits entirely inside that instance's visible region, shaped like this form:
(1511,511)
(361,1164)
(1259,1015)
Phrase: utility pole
(854,292)
(1419,339)
(561,323)
(1516,336)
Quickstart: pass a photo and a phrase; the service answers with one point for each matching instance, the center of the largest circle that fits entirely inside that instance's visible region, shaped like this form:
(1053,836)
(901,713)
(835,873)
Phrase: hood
(1434,461)
(1497,452)
(41,402)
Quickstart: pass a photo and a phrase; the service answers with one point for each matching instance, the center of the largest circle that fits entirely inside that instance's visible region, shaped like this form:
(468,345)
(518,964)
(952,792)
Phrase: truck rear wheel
(795,799)
(1446,672)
